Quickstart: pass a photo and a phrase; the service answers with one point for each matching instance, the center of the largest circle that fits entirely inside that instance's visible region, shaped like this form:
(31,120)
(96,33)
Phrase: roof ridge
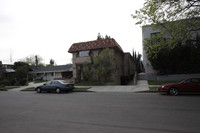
(94,44)
(53,68)
(95,40)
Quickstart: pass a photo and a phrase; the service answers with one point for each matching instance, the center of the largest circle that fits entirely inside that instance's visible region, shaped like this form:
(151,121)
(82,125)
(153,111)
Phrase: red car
(191,85)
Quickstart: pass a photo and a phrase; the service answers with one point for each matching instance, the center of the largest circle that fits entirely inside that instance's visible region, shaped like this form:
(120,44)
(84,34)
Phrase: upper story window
(84,53)
(155,38)
(156,34)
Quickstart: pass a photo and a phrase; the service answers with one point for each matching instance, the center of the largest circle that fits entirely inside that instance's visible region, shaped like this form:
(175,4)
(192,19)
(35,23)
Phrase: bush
(12,82)
(5,82)
(182,59)
(21,82)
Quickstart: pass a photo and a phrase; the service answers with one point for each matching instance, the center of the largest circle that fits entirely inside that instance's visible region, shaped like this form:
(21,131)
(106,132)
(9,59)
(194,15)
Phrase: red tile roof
(96,44)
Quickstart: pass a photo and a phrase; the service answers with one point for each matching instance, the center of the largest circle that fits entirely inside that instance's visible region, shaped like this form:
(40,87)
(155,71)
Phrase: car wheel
(58,90)
(173,91)
(39,90)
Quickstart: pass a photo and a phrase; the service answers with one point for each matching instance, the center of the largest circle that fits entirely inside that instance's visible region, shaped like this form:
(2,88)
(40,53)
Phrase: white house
(147,32)
(53,72)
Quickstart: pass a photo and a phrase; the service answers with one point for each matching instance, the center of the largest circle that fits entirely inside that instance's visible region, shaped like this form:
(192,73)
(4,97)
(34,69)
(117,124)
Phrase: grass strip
(5,88)
(90,84)
(29,89)
(153,88)
(81,89)
(155,82)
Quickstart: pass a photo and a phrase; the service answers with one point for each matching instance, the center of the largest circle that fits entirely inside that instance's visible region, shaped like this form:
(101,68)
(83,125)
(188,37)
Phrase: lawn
(155,82)
(89,84)
(29,89)
(5,88)
(153,88)
(39,82)
(81,89)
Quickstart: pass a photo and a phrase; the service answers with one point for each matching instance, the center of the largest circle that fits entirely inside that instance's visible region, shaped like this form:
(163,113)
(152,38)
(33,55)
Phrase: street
(92,112)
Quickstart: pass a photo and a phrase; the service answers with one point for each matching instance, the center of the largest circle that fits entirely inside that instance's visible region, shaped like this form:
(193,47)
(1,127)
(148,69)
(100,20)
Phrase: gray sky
(49,27)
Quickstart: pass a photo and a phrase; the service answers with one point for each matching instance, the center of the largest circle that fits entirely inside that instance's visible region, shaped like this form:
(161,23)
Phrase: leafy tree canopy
(102,64)
(52,62)
(100,37)
(176,18)
(33,60)
(20,64)
(161,11)
(21,72)
(176,47)
(138,62)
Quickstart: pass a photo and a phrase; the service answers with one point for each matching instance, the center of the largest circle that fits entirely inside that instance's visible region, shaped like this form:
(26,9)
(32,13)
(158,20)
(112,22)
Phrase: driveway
(142,85)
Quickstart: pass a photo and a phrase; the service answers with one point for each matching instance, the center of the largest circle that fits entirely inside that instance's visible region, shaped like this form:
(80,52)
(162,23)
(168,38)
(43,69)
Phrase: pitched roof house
(96,44)
(53,72)
(6,71)
(85,52)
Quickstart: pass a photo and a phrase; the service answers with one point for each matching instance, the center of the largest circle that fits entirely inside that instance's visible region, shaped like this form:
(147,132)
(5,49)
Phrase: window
(54,82)
(156,34)
(52,73)
(195,81)
(84,53)
(155,37)
(188,81)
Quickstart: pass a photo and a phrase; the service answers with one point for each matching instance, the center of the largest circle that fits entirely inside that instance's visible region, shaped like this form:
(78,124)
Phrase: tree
(107,37)
(36,60)
(99,37)
(161,11)
(137,61)
(177,22)
(87,71)
(21,72)
(102,64)
(175,18)
(1,70)
(20,64)
(33,60)
(52,62)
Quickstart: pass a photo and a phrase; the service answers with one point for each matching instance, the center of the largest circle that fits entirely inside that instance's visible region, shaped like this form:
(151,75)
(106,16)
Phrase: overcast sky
(49,27)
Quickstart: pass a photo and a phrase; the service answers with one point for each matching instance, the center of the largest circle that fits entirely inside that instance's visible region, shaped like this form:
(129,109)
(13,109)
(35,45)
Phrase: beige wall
(129,65)
(119,67)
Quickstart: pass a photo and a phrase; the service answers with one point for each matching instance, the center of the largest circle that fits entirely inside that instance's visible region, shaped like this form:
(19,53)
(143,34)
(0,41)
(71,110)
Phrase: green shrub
(21,82)
(12,82)
(5,82)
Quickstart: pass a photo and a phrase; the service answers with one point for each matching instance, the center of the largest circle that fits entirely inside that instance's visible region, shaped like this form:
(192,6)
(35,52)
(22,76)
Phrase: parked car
(56,86)
(190,85)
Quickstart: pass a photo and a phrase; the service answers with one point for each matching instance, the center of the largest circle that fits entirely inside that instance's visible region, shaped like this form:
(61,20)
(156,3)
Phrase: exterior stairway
(141,76)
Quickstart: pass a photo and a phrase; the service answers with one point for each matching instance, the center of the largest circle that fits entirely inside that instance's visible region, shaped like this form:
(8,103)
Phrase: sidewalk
(31,84)
(142,85)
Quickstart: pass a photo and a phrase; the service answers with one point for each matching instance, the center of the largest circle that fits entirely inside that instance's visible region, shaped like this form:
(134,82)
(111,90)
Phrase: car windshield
(48,83)
(182,80)
(63,81)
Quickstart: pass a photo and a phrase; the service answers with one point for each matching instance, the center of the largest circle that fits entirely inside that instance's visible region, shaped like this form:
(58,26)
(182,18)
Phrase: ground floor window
(67,75)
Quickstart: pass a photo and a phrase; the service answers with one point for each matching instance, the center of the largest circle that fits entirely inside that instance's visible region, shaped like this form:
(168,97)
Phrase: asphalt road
(90,112)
